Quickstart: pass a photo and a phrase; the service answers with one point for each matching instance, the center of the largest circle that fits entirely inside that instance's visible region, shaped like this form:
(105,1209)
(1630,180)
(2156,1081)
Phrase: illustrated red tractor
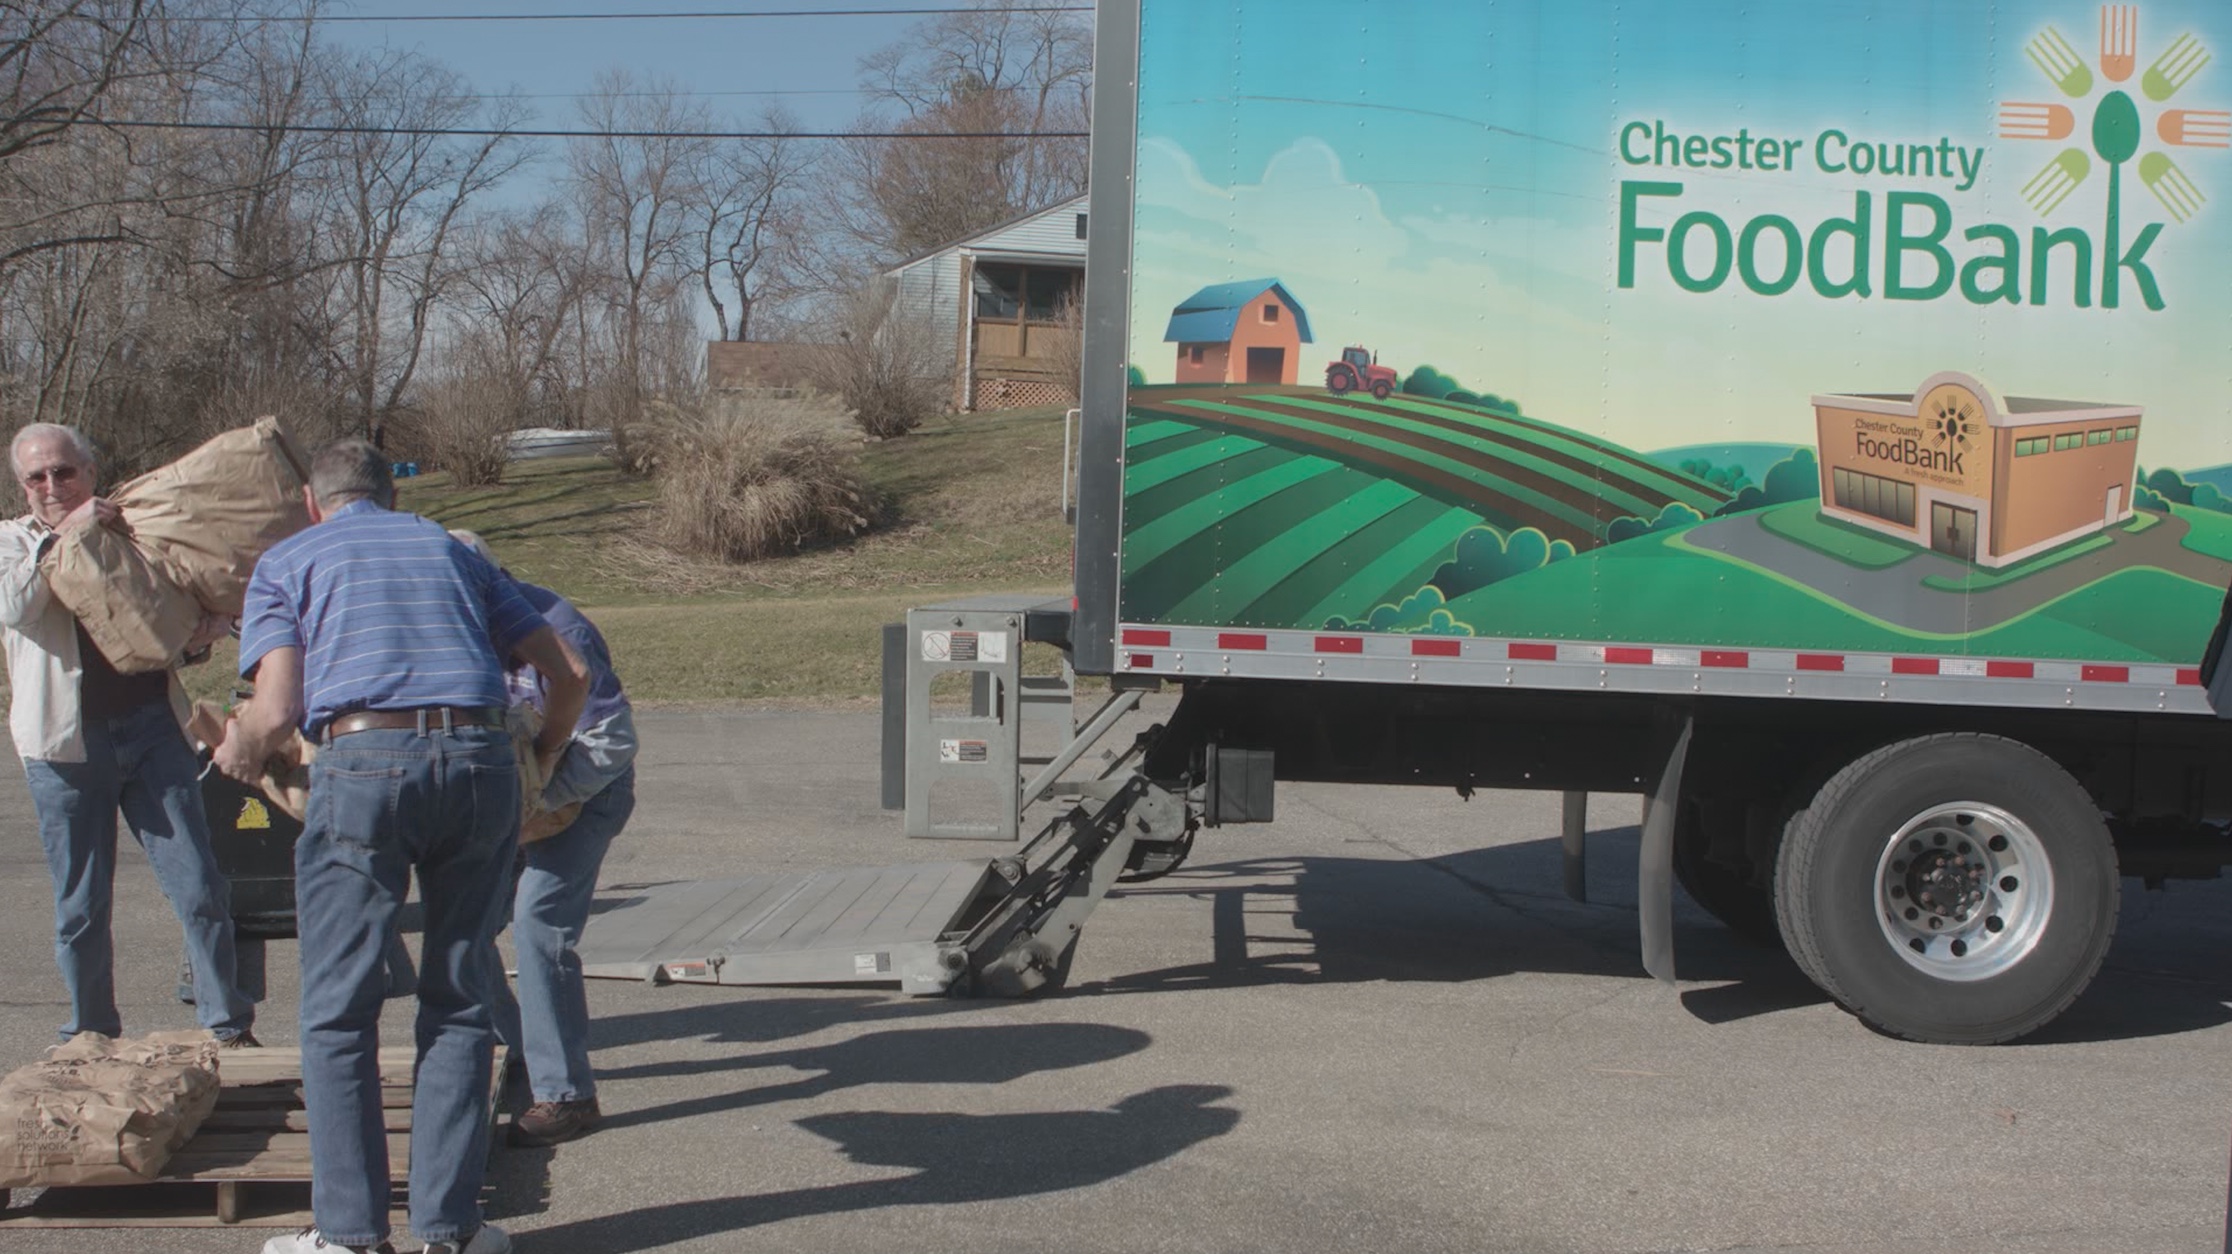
(1357,369)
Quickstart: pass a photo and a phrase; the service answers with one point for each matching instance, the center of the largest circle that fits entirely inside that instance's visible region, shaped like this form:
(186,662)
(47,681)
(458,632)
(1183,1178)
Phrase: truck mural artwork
(1358,370)
(1792,534)
(1867,511)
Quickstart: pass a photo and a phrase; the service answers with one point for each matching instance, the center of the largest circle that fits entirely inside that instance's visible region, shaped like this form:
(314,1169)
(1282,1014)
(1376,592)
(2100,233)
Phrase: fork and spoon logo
(2117,126)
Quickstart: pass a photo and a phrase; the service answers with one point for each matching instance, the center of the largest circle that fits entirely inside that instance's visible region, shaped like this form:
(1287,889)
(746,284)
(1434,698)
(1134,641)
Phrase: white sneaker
(489,1239)
(311,1241)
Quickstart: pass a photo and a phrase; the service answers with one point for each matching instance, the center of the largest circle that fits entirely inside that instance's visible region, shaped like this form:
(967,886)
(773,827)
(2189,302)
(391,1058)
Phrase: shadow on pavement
(966,1055)
(952,1157)
(1496,911)
(726,1017)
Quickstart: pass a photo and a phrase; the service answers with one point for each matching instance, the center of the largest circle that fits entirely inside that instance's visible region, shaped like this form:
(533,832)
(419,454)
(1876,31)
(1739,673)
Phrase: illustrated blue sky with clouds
(1440,183)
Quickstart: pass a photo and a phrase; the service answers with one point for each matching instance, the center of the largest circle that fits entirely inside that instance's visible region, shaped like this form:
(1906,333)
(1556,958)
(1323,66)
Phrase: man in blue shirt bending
(385,641)
(549,1021)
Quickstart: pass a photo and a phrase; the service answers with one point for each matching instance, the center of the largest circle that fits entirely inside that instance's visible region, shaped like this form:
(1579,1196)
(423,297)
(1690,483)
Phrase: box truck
(1812,417)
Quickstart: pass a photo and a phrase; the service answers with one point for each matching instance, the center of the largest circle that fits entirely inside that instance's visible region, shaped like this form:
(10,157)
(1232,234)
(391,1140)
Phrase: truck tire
(1339,380)
(1723,891)
(1958,889)
(1799,945)
(1382,389)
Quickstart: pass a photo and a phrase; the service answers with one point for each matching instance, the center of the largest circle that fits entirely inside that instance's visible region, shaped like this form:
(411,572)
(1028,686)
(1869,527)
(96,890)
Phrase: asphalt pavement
(1376,1024)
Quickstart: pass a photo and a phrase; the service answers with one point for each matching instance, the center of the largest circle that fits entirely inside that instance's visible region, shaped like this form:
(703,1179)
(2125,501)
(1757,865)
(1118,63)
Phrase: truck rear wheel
(1338,380)
(1957,888)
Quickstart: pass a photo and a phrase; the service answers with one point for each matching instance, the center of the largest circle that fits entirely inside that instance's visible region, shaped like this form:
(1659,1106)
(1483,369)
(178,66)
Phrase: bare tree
(750,223)
(990,71)
(632,187)
(883,360)
(131,292)
(402,189)
(519,288)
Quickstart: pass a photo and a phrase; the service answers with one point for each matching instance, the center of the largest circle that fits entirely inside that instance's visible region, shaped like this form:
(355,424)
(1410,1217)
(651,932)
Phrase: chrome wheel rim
(1963,891)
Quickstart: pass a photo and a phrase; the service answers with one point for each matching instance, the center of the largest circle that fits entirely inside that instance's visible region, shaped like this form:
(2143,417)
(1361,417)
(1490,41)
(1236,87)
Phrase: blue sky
(812,62)
(1439,183)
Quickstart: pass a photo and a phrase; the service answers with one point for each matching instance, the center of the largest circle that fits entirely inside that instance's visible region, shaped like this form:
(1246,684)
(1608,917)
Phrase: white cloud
(1524,307)
(1419,290)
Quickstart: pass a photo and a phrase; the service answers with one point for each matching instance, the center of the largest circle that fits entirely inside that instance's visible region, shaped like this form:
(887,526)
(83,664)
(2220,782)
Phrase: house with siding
(1002,299)
(1251,331)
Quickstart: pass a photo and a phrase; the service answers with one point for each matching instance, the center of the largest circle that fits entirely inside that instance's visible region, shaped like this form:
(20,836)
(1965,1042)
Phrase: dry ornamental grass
(737,487)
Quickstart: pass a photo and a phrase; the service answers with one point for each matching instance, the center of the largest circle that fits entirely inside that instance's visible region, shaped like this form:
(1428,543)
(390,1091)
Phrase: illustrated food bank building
(1987,479)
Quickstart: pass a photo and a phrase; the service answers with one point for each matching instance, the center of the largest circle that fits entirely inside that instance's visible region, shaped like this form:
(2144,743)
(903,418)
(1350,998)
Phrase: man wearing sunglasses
(95,741)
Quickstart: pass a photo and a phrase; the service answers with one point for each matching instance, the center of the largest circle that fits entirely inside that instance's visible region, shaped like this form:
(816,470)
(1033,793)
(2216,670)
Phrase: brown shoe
(552,1123)
(243,1039)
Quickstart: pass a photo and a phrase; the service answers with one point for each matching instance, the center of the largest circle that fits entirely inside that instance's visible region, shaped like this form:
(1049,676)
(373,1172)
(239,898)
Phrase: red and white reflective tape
(1461,660)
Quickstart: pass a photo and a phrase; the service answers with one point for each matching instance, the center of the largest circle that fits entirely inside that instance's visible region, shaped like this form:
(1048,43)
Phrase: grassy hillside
(972,504)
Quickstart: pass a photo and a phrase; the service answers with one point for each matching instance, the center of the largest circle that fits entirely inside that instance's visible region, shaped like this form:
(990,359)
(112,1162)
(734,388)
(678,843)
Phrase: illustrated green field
(1286,508)
(1660,590)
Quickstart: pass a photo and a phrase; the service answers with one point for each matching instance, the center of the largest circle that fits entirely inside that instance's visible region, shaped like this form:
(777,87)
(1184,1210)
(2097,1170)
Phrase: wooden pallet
(248,1164)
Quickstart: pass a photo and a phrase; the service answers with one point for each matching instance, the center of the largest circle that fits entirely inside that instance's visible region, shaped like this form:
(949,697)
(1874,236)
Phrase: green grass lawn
(2211,532)
(971,504)
(1649,590)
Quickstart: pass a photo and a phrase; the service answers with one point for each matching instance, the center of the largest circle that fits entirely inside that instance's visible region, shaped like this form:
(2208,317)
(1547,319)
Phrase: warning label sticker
(964,751)
(964,646)
(871,964)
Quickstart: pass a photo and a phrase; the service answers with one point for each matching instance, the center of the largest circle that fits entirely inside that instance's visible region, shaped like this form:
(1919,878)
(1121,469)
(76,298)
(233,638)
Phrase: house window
(1270,311)
(1012,293)
(2069,440)
(2101,436)
(1081,226)
(1046,290)
(2126,433)
(999,292)
(2030,447)
(1874,495)
(1193,353)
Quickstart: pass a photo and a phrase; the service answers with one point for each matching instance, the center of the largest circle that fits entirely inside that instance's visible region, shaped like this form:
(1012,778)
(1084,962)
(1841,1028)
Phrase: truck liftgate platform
(955,711)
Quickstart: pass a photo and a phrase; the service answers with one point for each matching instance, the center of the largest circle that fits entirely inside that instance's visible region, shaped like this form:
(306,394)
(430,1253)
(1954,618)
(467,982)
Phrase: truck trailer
(1810,417)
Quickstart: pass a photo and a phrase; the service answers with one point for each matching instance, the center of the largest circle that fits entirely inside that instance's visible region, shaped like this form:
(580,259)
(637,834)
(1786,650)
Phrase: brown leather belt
(431,718)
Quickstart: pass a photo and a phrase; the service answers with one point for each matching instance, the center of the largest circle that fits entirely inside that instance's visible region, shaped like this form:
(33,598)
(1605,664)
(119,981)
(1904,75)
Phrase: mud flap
(1654,871)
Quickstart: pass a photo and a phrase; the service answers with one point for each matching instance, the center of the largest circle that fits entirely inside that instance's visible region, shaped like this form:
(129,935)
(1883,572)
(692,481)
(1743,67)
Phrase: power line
(636,17)
(633,95)
(526,134)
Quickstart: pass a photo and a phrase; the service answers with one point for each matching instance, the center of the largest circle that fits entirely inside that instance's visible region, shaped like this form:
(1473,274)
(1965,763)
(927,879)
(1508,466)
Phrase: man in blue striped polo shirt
(548,1023)
(385,641)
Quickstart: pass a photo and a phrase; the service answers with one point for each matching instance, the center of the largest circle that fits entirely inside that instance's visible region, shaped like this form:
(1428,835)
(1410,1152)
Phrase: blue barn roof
(1211,314)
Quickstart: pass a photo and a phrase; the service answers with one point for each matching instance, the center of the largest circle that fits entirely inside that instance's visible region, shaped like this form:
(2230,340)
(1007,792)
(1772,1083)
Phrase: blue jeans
(141,763)
(551,907)
(381,804)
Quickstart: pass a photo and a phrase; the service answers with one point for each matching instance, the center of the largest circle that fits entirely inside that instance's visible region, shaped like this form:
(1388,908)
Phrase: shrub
(1422,613)
(1484,556)
(464,426)
(1673,517)
(888,366)
(738,487)
(2170,486)
(1428,382)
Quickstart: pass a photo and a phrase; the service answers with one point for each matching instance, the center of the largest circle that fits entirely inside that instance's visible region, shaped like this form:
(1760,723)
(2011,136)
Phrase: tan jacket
(44,716)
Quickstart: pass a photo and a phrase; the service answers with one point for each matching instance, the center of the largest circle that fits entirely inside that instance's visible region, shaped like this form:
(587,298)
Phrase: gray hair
(351,470)
(81,449)
(472,540)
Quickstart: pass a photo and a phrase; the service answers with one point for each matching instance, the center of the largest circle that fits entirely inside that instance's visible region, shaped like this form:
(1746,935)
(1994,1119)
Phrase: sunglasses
(56,475)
